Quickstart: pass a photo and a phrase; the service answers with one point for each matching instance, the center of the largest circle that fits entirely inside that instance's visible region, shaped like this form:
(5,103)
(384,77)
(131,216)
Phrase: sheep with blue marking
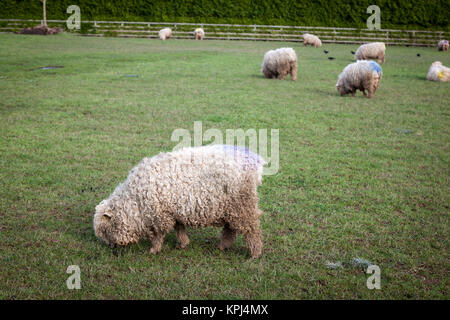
(362,75)
(279,63)
(438,72)
(213,185)
(369,51)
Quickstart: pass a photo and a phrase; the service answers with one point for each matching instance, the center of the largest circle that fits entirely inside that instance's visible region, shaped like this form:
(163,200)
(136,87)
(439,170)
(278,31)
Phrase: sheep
(438,72)
(214,185)
(362,75)
(279,63)
(374,50)
(443,45)
(199,34)
(310,39)
(165,33)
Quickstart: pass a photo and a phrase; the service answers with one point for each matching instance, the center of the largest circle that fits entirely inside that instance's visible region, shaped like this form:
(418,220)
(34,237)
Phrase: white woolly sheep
(165,33)
(199,34)
(438,72)
(361,75)
(279,63)
(214,185)
(310,39)
(374,50)
(443,45)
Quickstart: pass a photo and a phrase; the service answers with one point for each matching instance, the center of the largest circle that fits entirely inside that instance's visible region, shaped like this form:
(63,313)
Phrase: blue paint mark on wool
(375,66)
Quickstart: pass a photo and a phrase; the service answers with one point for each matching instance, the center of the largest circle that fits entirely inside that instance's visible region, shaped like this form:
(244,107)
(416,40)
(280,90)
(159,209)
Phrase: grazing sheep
(438,72)
(443,45)
(361,75)
(214,185)
(199,34)
(165,33)
(279,63)
(310,39)
(374,50)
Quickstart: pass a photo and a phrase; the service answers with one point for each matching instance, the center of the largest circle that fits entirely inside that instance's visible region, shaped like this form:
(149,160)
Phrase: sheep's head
(111,226)
(342,89)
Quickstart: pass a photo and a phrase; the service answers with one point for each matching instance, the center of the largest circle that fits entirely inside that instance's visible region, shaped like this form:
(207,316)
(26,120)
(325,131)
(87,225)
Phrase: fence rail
(241,32)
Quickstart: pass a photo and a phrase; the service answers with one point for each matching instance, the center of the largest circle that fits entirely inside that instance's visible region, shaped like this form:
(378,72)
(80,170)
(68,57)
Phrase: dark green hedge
(403,14)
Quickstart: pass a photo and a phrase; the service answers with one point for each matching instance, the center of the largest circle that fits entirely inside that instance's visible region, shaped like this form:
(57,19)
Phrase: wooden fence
(241,32)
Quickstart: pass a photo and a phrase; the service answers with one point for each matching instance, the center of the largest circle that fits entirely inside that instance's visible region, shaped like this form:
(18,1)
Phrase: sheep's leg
(294,72)
(157,242)
(283,72)
(228,236)
(294,75)
(253,240)
(182,236)
(372,88)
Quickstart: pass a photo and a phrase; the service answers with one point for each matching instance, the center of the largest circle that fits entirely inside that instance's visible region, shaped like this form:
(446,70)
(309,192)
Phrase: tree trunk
(45,13)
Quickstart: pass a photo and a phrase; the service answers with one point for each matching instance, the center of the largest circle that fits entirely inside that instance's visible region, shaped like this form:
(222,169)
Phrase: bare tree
(45,13)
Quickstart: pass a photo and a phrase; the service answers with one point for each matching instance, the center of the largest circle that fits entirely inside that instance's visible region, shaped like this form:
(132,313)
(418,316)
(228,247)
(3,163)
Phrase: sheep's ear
(101,205)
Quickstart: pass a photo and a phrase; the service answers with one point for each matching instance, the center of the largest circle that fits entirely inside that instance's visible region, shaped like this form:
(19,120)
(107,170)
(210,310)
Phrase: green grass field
(358,178)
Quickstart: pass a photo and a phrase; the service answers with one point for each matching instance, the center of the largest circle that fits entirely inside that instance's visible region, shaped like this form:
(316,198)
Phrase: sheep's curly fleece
(361,75)
(165,33)
(374,50)
(199,34)
(279,63)
(310,39)
(438,72)
(213,185)
(443,45)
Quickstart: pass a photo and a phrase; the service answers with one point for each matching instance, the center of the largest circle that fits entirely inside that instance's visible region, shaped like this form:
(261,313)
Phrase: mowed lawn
(358,178)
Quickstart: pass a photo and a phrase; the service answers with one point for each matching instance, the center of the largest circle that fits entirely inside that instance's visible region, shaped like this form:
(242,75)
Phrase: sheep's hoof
(255,255)
(154,251)
(179,246)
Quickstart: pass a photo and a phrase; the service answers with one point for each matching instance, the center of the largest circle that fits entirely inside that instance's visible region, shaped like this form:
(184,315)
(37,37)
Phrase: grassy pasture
(358,178)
